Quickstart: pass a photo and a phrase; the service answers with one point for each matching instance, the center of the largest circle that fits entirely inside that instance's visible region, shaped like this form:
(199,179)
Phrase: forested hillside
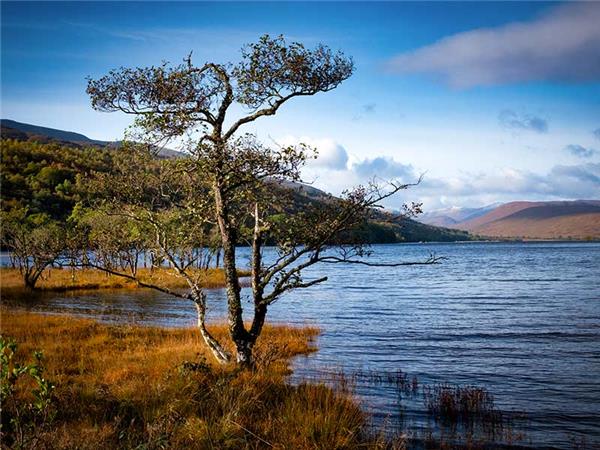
(43,178)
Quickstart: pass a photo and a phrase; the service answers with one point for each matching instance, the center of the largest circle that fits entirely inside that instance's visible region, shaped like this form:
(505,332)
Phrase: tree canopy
(240,173)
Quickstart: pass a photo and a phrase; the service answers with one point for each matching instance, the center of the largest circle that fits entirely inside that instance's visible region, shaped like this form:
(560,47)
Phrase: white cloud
(560,182)
(562,45)
(338,171)
(386,168)
(330,154)
(473,189)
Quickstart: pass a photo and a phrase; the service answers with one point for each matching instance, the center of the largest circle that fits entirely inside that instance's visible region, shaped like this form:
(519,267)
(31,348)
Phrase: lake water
(521,319)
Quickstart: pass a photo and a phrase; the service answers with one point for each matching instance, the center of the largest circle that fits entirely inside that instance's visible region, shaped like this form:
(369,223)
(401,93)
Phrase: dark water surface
(521,319)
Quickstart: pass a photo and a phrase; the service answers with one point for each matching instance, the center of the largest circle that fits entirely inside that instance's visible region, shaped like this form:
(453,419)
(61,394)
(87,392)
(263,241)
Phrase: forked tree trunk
(30,277)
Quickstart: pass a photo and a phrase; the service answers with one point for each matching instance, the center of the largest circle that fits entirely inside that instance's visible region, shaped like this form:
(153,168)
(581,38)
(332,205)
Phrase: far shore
(66,279)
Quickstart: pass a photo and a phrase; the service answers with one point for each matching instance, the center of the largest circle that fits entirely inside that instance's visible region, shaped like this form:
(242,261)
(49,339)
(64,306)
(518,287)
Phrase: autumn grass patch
(62,279)
(141,387)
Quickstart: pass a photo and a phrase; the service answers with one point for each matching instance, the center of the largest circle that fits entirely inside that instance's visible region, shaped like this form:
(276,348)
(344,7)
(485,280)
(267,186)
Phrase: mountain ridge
(53,133)
(21,131)
(559,219)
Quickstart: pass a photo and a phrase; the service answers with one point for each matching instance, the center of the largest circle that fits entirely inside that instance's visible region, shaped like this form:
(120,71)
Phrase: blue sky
(493,101)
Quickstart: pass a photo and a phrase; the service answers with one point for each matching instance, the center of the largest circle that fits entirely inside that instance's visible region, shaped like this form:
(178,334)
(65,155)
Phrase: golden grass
(59,279)
(129,387)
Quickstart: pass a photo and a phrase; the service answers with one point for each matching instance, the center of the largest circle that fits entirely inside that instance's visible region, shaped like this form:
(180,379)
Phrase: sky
(492,102)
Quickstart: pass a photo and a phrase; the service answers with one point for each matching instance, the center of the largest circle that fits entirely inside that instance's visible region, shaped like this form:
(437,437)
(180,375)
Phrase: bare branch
(137,280)
(273,296)
(263,112)
(335,260)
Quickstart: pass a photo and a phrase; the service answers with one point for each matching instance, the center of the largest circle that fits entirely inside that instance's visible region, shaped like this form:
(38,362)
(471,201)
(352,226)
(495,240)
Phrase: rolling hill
(19,131)
(12,129)
(19,189)
(448,217)
(579,219)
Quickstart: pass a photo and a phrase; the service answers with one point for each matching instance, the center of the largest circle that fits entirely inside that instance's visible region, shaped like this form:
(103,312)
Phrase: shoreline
(122,386)
(501,241)
(68,279)
(125,385)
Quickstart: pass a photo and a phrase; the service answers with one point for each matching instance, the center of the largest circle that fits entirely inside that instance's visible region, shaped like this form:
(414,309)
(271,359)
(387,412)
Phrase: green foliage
(24,415)
(41,186)
(380,232)
(273,66)
(411,231)
(43,177)
(35,241)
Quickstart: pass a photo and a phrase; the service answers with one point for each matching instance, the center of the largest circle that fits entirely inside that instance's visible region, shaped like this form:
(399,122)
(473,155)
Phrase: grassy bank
(139,387)
(61,279)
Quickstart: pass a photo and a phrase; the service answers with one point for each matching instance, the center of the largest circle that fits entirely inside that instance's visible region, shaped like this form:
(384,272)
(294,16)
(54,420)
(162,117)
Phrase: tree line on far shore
(47,209)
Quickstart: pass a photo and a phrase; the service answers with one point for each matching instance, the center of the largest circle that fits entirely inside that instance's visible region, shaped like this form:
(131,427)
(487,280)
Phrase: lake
(521,319)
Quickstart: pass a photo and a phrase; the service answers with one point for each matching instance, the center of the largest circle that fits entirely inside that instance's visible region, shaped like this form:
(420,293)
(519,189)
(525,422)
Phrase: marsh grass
(141,387)
(468,414)
(442,415)
(64,279)
(465,405)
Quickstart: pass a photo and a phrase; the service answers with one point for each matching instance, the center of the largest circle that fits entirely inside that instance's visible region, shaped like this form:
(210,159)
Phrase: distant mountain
(385,227)
(16,129)
(578,219)
(11,129)
(448,217)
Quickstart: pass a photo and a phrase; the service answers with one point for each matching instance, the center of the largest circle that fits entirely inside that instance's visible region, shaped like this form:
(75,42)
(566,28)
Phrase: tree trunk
(260,313)
(260,309)
(244,353)
(216,349)
(29,282)
(237,331)
(31,277)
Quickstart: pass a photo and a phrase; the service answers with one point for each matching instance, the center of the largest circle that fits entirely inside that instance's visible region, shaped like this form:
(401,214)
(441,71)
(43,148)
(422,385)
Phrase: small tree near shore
(35,242)
(241,176)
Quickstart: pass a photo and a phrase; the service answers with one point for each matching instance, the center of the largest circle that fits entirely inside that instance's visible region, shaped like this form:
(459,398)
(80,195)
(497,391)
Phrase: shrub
(26,397)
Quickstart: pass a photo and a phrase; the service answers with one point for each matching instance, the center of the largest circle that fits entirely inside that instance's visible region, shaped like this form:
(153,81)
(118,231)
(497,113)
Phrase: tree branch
(262,112)
(273,296)
(137,280)
(336,260)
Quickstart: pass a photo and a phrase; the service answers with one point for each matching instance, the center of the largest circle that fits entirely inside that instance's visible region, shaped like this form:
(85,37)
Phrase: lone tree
(35,242)
(241,176)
